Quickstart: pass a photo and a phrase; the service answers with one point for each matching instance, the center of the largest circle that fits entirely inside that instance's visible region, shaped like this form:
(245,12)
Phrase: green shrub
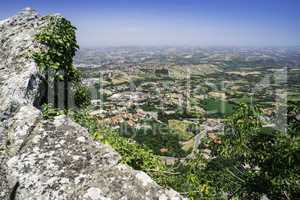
(55,57)
(60,45)
(49,112)
(252,161)
(82,96)
(84,119)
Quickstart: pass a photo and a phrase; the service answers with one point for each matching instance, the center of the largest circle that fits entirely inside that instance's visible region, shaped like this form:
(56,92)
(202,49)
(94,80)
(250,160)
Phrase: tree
(253,161)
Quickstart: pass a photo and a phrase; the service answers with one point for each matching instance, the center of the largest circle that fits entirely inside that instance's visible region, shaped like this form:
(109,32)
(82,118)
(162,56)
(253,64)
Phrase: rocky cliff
(52,159)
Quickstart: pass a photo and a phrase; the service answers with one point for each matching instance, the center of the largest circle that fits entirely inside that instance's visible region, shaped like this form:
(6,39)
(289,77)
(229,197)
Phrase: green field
(217,107)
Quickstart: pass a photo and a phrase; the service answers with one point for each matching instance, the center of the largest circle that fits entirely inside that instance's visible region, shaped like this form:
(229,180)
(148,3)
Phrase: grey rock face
(18,73)
(53,159)
(60,161)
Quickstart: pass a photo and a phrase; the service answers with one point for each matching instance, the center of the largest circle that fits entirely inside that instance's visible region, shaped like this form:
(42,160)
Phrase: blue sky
(174,22)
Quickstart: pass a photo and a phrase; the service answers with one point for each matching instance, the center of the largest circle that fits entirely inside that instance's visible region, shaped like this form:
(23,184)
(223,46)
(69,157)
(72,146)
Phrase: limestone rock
(60,161)
(53,159)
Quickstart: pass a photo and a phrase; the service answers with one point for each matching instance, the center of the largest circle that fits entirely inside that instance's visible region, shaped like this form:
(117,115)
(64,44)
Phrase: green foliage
(252,161)
(84,119)
(82,96)
(191,179)
(59,40)
(133,154)
(243,123)
(55,57)
(49,112)
(293,116)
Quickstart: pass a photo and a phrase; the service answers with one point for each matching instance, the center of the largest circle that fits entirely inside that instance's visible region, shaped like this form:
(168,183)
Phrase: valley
(169,99)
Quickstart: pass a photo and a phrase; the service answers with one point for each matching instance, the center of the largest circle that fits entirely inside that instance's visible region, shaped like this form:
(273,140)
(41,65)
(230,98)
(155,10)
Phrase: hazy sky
(174,22)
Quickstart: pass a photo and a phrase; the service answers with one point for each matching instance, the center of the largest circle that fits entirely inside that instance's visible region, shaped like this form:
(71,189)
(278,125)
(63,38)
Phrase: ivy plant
(55,57)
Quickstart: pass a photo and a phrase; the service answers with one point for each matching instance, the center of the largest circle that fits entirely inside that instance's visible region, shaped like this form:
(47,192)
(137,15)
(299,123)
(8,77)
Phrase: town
(170,98)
